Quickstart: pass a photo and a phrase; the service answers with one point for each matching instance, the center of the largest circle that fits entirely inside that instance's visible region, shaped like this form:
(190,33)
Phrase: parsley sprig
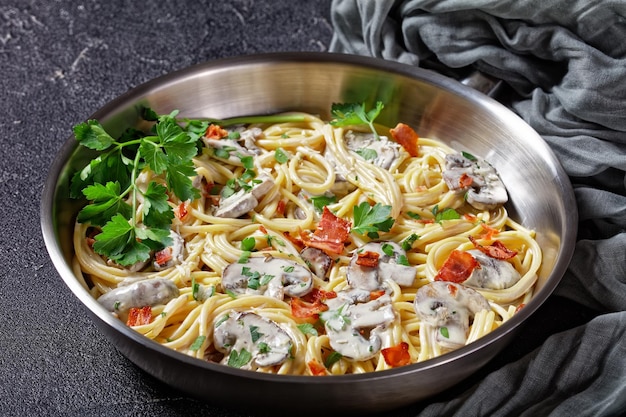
(350,114)
(372,219)
(109,183)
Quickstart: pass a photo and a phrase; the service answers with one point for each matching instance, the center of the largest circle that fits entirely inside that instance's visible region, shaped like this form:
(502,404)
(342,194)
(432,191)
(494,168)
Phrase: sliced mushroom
(244,201)
(234,149)
(355,329)
(371,278)
(449,307)
(148,292)
(485,190)
(380,151)
(318,262)
(270,276)
(493,274)
(171,255)
(263,339)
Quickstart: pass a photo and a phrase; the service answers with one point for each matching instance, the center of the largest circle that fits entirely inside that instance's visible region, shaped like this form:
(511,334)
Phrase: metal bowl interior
(541,198)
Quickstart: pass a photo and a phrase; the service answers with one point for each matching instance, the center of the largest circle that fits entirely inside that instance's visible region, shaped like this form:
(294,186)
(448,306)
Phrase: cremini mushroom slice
(256,340)
(148,292)
(493,274)
(387,268)
(449,307)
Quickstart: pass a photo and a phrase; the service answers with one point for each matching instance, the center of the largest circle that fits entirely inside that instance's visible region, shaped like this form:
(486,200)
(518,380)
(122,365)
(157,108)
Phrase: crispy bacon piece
(215,132)
(163,256)
(139,316)
(496,250)
(312,304)
(280,208)
(297,242)
(331,234)
(397,355)
(368,258)
(376,294)
(490,232)
(465,181)
(181,212)
(407,137)
(458,267)
(316,368)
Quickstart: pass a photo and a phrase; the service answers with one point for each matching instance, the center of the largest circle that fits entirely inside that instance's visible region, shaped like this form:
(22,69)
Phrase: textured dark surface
(60,61)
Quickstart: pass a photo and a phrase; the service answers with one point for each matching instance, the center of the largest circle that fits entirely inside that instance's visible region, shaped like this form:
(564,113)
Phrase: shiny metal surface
(541,198)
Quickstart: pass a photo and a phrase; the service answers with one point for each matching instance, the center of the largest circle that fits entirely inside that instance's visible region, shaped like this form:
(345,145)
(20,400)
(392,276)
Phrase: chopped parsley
(445,214)
(239,359)
(197,344)
(350,114)
(280,156)
(372,219)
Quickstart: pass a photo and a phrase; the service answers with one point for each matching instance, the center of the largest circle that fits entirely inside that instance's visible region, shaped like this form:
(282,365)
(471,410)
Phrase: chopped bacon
(496,250)
(470,217)
(331,234)
(452,290)
(426,221)
(490,231)
(215,132)
(465,181)
(397,355)
(310,305)
(139,316)
(368,258)
(280,208)
(163,256)
(316,368)
(519,307)
(376,294)
(458,267)
(262,229)
(407,137)
(297,242)
(181,212)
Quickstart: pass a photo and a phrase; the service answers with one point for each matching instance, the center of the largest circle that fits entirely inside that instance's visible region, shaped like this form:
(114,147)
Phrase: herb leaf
(92,135)
(239,359)
(349,114)
(372,219)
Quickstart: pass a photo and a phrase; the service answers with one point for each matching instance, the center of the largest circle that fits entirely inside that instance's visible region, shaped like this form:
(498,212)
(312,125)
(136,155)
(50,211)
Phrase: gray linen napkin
(565,63)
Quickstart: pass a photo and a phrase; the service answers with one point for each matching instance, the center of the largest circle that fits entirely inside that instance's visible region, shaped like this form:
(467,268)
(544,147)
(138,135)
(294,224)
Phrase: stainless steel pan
(541,198)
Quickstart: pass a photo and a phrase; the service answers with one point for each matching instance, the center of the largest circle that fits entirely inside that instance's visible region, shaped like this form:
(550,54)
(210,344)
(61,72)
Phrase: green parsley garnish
(197,344)
(387,249)
(444,332)
(280,156)
(445,214)
(350,114)
(332,358)
(407,244)
(469,156)
(255,334)
(372,219)
(109,180)
(322,200)
(248,244)
(367,154)
(308,328)
(239,359)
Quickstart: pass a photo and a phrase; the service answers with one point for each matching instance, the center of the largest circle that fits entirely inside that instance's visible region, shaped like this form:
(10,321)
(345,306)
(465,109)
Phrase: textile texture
(564,64)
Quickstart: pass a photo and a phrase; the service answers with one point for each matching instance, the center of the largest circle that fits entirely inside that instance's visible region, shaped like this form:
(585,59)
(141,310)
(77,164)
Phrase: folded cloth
(565,63)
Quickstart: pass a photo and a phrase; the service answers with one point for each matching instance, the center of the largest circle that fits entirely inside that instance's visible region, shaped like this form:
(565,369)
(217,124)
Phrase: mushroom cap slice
(147,292)
(271,276)
(451,306)
(371,278)
(493,274)
(266,342)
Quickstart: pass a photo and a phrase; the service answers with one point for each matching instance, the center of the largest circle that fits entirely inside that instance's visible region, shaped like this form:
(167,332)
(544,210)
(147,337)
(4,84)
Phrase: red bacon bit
(280,208)
(309,306)
(397,355)
(181,212)
(519,307)
(296,241)
(376,294)
(163,256)
(490,232)
(316,368)
(452,290)
(407,137)
(331,234)
(470,217)
(465,181)
(368,259)
(215,132)
(262,229)
(496,250)
(425,221)
(139,316)
(457,268)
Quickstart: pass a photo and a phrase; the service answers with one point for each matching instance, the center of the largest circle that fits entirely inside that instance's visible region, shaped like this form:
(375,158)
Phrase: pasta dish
(305,246)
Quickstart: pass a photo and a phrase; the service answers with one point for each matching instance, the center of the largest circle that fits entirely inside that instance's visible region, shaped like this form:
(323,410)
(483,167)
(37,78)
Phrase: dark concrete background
(60,61)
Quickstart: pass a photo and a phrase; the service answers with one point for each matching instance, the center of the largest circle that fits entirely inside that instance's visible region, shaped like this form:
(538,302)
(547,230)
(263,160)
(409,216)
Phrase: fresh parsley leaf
(197,344)
(444,332)
(372,219)
(387,249)
(245,255)
(255,334)
(118,241)
(403,260)
(264,348)
(239,359)
(248,244)
(350,114)
(308,328)
(322,200)
(332,358)
(445,214)
(469,156)
(280,156)
(407,244)
(92,135)
(195,287)
(367,154)
(413,215)
(156,211)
